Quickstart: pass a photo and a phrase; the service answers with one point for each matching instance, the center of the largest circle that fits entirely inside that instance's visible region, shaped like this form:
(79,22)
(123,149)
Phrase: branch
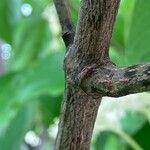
(116,82)
(65,21)
(91,43)
(94,29)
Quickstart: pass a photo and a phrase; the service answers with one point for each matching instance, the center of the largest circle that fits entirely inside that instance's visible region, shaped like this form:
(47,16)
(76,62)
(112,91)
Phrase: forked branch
(87,62)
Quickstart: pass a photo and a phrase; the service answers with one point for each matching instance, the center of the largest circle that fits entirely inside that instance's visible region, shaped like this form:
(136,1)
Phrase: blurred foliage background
(32,80)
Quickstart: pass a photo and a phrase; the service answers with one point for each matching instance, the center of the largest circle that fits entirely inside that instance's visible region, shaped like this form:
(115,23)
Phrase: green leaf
(108,140)
(32,37)
(74,7)
(9,17)
(132,122)
(117,57)
(138,45)
(142,135)
(118,33)
(122,23)
(12,137)
(50,108)
(44,77)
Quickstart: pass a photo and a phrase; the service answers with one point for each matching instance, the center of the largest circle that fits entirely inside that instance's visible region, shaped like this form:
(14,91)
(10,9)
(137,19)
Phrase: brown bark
(92,38)
(90,45)
(115,82)
(77,120)
(89,74)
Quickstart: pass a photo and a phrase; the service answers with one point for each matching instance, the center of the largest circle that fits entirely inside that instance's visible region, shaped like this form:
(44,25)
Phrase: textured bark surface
(94,29)
(115,82)
(78,116)
(89,50)
(89,74)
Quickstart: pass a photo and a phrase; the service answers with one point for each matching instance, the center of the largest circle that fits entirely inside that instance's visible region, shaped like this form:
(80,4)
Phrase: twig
(65,21)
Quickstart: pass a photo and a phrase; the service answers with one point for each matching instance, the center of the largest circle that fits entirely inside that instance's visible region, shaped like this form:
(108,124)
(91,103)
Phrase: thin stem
(65,21)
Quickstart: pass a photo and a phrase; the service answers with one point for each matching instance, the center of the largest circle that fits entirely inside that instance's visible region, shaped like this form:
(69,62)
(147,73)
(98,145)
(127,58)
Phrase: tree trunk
(89,73)
(78,116)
